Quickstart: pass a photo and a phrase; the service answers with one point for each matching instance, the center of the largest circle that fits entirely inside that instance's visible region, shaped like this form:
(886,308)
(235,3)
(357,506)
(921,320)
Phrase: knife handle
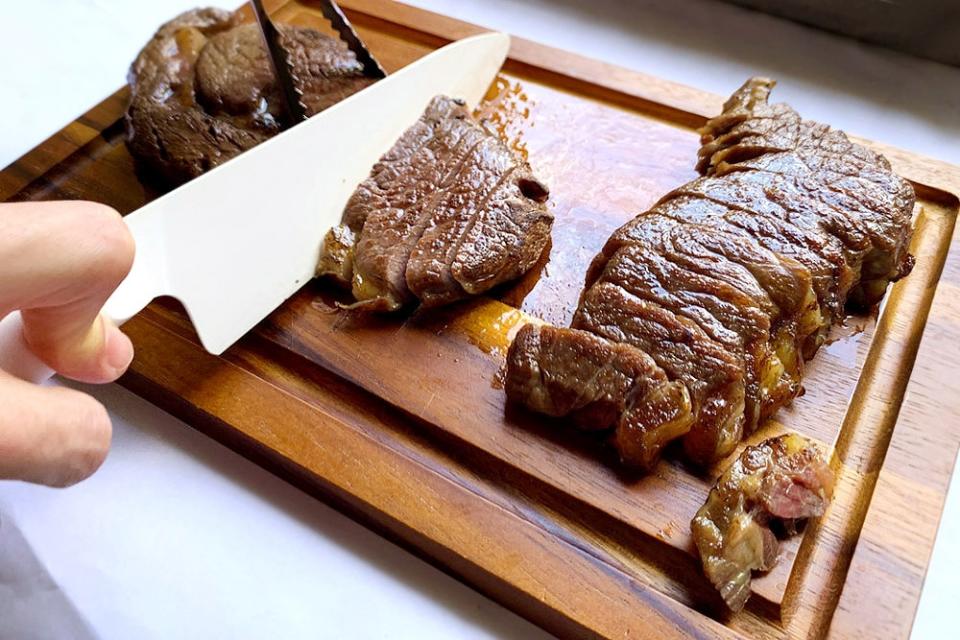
(16,358)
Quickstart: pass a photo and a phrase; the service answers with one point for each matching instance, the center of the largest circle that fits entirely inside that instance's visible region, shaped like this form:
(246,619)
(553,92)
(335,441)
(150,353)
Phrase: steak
(450,211)
(784,479)
(727,284)
(601,385)
(202,90)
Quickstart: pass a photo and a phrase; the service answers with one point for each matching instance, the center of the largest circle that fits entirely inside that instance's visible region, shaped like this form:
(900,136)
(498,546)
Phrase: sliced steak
(450,211)
(830,172)
(602,385)
(820,254)
(730,281)
(202,90)
(714,377)
(742,295)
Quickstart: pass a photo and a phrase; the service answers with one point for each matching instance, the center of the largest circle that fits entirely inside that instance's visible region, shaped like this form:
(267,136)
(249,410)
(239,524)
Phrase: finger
(61,262)
(50,435)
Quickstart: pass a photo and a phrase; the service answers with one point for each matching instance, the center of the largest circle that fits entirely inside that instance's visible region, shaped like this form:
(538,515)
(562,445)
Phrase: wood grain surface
(401,422)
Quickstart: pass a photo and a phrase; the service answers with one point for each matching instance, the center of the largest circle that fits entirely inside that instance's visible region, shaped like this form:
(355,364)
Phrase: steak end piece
(785,479)
(202,90)
(450,211)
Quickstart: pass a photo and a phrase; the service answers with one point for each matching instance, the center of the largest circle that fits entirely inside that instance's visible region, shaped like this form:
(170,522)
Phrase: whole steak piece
(449,212)
(727,284)
(202,90)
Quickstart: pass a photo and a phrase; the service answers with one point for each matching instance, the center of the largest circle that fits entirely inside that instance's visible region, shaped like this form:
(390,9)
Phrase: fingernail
(118,350)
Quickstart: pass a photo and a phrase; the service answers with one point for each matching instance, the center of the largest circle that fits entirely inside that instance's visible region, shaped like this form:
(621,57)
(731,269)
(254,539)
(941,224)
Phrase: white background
(178,537)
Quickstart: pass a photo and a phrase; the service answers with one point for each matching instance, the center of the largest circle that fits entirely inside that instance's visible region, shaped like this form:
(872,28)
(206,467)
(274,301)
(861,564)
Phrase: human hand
(59,262)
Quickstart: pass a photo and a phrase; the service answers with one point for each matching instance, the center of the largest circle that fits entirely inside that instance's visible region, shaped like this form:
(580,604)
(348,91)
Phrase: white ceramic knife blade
(233,244)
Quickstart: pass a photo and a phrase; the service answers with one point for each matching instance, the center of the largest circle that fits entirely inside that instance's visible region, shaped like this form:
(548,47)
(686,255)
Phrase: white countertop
(177,536)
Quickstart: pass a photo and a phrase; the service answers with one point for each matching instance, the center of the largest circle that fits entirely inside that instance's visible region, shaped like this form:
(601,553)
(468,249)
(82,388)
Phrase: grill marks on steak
(730,281)
(202,90)
(449,211)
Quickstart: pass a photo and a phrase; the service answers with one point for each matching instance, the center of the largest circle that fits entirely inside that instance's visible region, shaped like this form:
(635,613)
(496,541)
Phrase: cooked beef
(730,281)
(202,90)
(785,479)
(848,189)
(450,211)
(600,384)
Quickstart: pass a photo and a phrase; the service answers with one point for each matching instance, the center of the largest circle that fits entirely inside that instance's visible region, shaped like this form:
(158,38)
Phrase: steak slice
(730,281)
(601,384)
(714,376)
(784,478)
(202,90)
(739,293)
(788,239)
(450,211)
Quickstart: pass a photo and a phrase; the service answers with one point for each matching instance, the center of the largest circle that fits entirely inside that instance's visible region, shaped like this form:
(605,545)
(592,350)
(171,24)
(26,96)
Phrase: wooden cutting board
(401,422)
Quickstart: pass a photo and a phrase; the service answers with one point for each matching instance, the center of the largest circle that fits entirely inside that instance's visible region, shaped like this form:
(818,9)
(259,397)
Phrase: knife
(233,244)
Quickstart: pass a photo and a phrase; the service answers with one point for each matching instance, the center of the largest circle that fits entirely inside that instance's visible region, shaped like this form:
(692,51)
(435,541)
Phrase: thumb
(61,261)
(97,353)
(50,435)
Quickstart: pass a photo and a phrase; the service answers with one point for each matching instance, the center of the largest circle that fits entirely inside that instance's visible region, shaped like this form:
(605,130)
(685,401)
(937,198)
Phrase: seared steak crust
(202,90)
(599,383)
(730,281)
(450,211)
